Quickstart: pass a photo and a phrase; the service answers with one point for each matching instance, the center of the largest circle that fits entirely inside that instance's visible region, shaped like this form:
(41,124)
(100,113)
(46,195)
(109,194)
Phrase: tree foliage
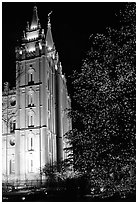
(104,99)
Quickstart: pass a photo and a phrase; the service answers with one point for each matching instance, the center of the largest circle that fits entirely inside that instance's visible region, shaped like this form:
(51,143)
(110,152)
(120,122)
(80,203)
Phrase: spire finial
(49,24)
(35,19)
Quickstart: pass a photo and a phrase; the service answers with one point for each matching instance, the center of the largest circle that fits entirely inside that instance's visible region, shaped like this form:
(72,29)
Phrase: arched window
(30,141)
(31,75)
(48,103)
(30,163)
(11,166)
(31,118)
(12,126)
(49,121)
(30,97)
(11,163)
(48,84)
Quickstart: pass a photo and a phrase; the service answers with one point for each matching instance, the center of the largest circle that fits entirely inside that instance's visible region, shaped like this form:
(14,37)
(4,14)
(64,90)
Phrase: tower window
(48,84)
(49,123)
(30,75)
(31,78)
(31,118)
(12,126)
(11,166)
(48,104)
(30,163)
(30,97)
(30,143)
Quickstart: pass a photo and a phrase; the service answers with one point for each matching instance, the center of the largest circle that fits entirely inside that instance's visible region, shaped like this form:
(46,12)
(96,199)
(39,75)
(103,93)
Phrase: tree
(104,103)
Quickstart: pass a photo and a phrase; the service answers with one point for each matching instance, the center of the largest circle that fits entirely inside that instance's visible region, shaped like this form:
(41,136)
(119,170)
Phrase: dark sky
(72,24)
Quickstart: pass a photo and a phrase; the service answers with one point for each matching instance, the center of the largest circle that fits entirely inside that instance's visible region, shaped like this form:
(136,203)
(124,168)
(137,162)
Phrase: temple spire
(35,19)
(49,38)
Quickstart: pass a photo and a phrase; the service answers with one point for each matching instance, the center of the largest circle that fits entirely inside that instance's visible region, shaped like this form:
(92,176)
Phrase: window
(30,141)
(31,78)
(30,163)
(31,118)
(12,126)
(11,166)
(30,97)
(48,84)
(48,104)
(30,75)
(49,122)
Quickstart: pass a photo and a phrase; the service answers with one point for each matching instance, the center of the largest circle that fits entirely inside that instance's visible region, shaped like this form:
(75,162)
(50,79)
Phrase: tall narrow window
(31,118)
(30,97)
(30,141)
(31,78)
(30,163)
(48,104)
(48,84)
(31,75)
(49,122)
(12,126)
(11,166)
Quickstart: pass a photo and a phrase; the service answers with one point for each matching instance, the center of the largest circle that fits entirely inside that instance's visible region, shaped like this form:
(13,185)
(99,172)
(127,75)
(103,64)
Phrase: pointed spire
(49,38)
(35,19)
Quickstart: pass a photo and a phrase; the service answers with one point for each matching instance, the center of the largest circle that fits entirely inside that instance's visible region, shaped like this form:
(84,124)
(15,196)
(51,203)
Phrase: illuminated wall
(36,134)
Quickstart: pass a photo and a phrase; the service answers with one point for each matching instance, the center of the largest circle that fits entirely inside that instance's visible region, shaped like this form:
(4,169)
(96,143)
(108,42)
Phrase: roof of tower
(35,19)
(49,38)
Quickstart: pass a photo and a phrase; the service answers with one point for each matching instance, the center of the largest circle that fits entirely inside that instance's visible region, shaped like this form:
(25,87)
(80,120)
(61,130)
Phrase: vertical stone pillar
(58,118)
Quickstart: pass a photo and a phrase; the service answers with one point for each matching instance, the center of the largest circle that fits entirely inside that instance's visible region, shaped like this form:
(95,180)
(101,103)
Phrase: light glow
(56,67)
(49,48)
(33,27)
(32,35)
(40,46)
(31,49)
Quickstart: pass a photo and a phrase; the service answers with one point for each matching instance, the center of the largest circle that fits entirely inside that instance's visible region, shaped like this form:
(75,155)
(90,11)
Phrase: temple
(34,113)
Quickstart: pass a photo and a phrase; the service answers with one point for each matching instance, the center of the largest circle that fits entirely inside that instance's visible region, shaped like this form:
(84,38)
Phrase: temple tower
(42,98)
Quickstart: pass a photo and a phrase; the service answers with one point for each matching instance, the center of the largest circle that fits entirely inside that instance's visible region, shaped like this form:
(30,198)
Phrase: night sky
(72,24)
